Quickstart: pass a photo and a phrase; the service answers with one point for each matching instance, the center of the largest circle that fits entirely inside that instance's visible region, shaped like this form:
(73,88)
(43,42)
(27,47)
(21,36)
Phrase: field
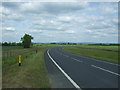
(106,53)
(31,74)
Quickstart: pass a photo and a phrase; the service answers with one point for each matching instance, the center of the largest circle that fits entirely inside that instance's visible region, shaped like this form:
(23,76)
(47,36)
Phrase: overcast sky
(60,22)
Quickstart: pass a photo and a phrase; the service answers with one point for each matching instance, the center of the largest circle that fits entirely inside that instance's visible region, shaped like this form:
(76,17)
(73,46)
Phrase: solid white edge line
(68,77)
(105,70)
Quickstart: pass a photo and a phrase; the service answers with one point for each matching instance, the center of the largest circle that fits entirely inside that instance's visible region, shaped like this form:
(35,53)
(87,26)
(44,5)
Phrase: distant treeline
(103,44)
(11,44)
(65,43)
(20,44)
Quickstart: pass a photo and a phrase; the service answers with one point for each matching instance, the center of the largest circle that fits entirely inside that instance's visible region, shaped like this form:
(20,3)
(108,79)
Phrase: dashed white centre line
(105,70)
(76,60)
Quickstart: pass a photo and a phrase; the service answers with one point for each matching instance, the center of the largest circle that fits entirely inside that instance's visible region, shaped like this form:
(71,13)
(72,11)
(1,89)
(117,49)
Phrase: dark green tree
(26,40)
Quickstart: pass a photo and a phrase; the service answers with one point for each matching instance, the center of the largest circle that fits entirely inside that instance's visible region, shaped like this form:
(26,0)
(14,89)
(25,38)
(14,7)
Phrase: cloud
(41,0)
(70,31)
(11,5)
(108,8)
(10,29)
(99,25)
(65,19)
(35,31)
(13,0)
(61,19)
(47,25)
(4,10)
(45,7)
(65,7)
(14,17)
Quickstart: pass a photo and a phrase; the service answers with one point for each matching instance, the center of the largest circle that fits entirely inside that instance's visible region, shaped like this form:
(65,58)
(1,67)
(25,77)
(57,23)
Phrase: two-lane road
(84,72)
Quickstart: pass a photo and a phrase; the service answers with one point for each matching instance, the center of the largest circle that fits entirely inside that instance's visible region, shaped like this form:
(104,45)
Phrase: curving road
(68,70)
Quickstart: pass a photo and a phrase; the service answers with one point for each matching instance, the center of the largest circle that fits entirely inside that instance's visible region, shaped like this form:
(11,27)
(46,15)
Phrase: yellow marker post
(19,60)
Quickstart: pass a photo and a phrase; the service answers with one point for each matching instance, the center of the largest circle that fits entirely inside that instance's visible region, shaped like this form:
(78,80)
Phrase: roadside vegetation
(31,74)
(102,52)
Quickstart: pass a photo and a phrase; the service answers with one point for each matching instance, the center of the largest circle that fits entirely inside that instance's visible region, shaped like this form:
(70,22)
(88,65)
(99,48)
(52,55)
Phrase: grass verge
(31,74)
(100,54)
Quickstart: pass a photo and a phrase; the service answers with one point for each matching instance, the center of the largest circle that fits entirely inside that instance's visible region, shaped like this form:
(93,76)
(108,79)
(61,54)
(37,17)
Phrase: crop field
(106,53)
(31,74)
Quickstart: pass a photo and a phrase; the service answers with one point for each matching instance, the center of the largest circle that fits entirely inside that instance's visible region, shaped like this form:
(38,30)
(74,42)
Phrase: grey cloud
(11,5)
(64,7)
(52,7)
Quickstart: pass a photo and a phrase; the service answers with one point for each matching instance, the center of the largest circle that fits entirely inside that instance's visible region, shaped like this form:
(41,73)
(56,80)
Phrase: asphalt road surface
(68,70)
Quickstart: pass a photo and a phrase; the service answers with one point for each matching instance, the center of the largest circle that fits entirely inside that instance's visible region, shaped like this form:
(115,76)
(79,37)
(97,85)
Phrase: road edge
(65,74)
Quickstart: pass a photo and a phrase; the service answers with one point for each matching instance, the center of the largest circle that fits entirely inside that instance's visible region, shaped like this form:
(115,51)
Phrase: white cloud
(8,29)
(4,10)
(36,31)
(89,31)
(108,10)
(70,31)
(65,18)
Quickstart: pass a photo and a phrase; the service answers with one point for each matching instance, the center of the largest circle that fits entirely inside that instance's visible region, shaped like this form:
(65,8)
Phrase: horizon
(67,42)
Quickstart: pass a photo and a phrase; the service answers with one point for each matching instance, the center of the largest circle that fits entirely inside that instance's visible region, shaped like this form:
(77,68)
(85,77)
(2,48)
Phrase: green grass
(32,73)
(6,48)
(113,48)
(100,53)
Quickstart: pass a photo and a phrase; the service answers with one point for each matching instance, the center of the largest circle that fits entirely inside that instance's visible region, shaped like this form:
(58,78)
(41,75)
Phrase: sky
(60,21)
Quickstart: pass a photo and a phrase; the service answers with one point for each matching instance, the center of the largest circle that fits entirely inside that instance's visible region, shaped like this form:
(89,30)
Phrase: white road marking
(68,77)
(105,70)
(77,60)
(101,61)
(97,60)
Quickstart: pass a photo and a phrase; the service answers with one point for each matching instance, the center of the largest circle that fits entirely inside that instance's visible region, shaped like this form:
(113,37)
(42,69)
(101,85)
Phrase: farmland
(106,53)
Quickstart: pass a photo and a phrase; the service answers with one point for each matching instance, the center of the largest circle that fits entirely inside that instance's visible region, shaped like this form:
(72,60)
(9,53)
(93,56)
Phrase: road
(80,71)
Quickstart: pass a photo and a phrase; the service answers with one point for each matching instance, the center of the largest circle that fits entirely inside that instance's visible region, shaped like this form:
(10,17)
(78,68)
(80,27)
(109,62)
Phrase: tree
(5,44)
(26,40)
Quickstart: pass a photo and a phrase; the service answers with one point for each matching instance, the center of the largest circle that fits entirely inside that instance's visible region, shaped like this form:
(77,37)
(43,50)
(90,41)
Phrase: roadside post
(36,51)
(19,60)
